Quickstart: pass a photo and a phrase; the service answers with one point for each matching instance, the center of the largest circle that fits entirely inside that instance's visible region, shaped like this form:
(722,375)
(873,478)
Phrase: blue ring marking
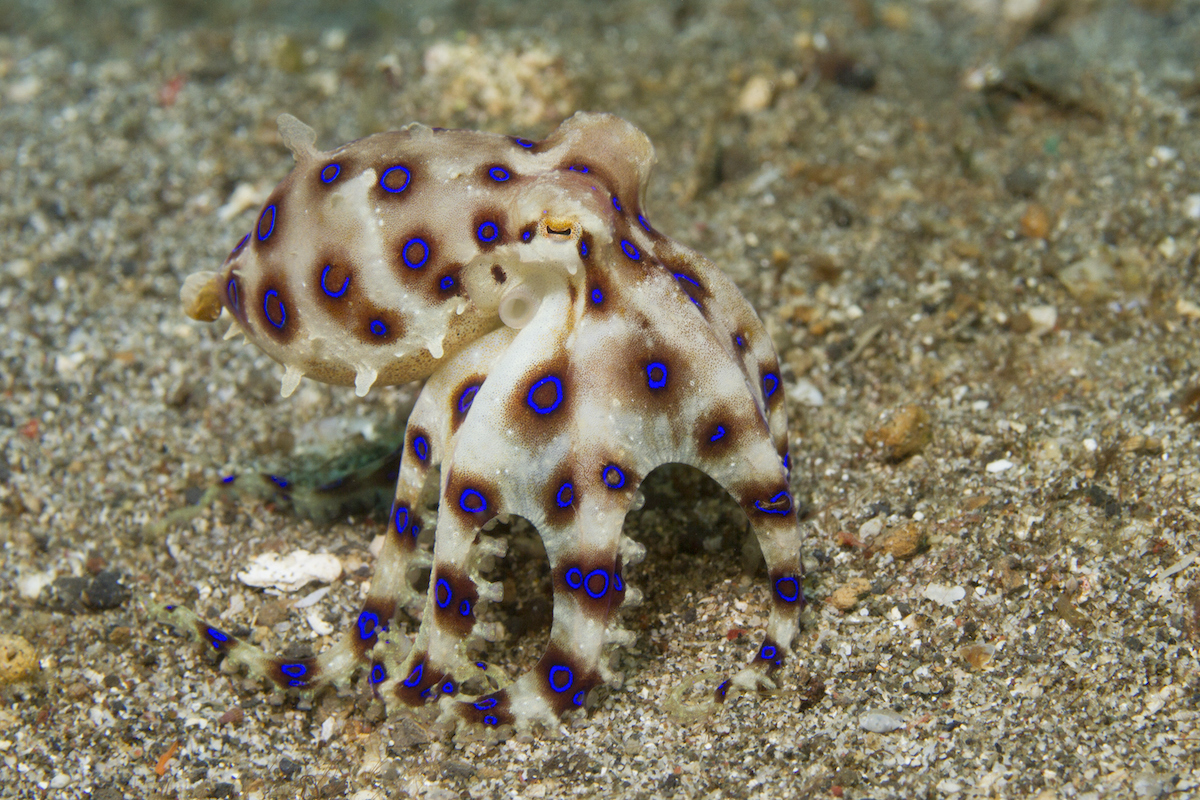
(378,328)
(424,695)
(485,703)
(738,340)
(282,483)
(498,174)
(720,434)
(383,179)
(597,296)
(481,665)
(588,580)
(231,291)
(414,677)
(237,248)
(487,231)
(415,263)
(761,506)
(579,168)
(466,495)
(416,530)
(613,477)
(629,250)
(565,495)
(767,652)
(787,461)
(325,286)
(684,278)
(574,577)
(523,142)
(723,689)
(421,447)
(558,394)
(642,221)
(656,382)
(326,176)
(618,584)
(229,479)
(368,621)
(526,236)
(218,637)
(788,589)
(490,719)
(448,687)
(262,237)
(579,697)
(168,608)
(770,383)
(446,283)
(617,203)
(282,311)
(560,678)
(464,608)
(583,251)
(378,673)
(442,585)
(400,519)
(296,672)
(466,398)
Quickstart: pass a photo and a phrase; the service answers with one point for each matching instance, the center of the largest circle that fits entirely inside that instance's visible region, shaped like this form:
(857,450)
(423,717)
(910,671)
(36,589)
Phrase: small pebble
(846,596)
(979,656)
(908,432)
(880,721)
(18,659)
(905,541)
(1089,279)
(755,95)
(1035,222)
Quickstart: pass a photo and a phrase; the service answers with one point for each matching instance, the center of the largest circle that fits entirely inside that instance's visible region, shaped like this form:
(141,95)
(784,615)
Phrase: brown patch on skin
(462,398)
(349,166)
(375,616)
(766,501)
(769,655)
(377,326)
(415,435)
(720,431)
(594,581)
(234,299)
(472,500)
(216,638)
(275,305)
(555,495)
(787,591)
(686,278)
(653,376)
(542,402)
(495,217)
(453,593)
(415,688)
(498,274)
(587,248)
(598,175)
(334,272)
(597,281)
(562,678)
(490,710)
(298,674)
(453,287)
(274,228)
(418,179)
(400,525)
(772,384)
(421,278)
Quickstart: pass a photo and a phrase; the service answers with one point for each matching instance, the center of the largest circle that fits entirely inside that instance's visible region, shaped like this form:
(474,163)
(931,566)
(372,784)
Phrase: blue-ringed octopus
(568,348)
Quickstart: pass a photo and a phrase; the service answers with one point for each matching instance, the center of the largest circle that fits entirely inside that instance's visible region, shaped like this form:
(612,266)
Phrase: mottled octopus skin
(569,349)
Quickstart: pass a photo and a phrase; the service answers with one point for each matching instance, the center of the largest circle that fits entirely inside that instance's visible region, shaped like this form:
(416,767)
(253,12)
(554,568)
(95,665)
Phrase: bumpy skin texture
(570,348)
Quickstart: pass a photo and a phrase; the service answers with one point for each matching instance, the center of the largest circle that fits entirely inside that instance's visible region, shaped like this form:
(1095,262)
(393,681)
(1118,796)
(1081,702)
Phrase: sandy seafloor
(988,210)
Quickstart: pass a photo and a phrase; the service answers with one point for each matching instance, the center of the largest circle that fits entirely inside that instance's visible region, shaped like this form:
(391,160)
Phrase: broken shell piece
(201,296)
(291,572)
